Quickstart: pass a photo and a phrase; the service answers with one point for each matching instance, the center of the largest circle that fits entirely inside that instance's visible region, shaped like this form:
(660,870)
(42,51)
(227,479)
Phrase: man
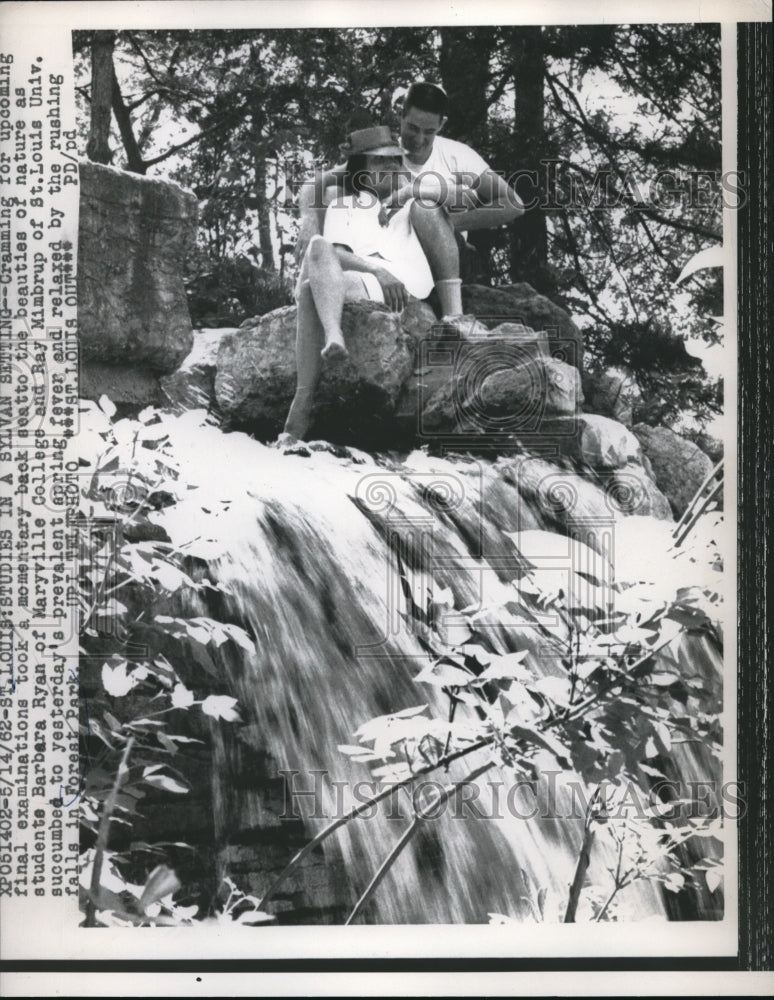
(443,173)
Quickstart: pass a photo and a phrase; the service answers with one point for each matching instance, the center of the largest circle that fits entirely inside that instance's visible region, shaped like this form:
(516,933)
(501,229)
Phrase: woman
(367,251)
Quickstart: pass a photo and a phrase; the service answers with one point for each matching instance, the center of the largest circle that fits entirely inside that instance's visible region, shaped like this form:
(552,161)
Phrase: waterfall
(306,548)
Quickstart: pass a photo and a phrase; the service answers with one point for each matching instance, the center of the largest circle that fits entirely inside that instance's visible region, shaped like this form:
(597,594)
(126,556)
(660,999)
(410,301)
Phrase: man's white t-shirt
(453,161)
(353,221)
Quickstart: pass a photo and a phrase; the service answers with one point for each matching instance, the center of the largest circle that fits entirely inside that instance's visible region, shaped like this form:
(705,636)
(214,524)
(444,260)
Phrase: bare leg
(436,236)
(318,329)
(439,243)
(326,281)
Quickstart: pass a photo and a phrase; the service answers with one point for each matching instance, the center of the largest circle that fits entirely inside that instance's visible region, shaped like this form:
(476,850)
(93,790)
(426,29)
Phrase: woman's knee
(318,248)
(429,215)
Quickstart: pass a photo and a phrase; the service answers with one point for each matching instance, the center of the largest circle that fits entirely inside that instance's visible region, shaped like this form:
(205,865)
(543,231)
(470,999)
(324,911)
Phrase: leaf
(506,667)
(221,706)
(664,679)
(182,697)
(652,772)
(444,674)
(710,257)
(254,917)
(169,577)
(713,878)
(544,740)
(107,406)
(117,681)
(161,882)
(477,653)
(165,782)
(674,882)
(240,637)
(407,713)
(555,688)
(357,753)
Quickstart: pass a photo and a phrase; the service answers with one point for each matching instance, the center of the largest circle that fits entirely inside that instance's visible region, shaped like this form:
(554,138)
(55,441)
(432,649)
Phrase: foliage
(608,710)
(621,124)
(149,685)
(226,292)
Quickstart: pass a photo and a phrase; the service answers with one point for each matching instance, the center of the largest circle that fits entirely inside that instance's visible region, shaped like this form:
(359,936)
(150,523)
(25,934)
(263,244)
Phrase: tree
(612,131)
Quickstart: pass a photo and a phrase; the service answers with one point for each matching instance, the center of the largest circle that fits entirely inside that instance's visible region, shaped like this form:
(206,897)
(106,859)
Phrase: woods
(611,134)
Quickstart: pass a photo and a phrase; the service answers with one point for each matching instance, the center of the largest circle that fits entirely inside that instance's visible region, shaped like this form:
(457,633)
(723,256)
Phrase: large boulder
(131,389)
(520,303)
(356,398)
(501,381)
(632,491)
(678,465)
(134,235)
(603,443)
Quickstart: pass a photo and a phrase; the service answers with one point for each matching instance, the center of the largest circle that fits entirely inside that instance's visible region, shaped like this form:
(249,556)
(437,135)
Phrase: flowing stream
(305,545)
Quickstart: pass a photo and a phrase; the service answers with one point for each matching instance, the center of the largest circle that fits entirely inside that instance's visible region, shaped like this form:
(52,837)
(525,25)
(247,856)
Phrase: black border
(755,534)
(755,431)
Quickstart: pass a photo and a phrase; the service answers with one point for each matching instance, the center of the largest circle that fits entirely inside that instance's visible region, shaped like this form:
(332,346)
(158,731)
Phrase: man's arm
(496,204)
(312,201)
(482,202)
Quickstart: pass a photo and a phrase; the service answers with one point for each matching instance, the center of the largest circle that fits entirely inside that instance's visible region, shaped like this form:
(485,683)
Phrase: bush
(227,292)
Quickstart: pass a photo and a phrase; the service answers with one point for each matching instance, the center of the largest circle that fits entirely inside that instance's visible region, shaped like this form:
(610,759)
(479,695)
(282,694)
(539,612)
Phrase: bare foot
(335,351)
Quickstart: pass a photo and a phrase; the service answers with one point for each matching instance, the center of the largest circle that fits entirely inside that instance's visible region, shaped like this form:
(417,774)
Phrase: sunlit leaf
(181,696)
(506,666)
(443,674)
(713,877)
(221,706)
(117,681)
(161,882)
(164,781)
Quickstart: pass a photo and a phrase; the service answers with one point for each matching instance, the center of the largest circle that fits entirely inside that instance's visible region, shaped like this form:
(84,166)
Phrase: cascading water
(306,548)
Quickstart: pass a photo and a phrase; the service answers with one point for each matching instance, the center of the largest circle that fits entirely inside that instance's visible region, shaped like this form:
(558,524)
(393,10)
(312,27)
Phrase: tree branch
(182,145)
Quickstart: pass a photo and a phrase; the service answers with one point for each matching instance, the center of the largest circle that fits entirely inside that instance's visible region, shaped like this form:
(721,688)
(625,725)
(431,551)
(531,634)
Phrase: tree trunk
(98,146)
(264,216)
(465,65)
(529,242)
(465,73)
(134,162)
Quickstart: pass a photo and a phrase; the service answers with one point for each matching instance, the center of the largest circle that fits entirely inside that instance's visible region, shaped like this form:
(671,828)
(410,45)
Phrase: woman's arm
(395,293)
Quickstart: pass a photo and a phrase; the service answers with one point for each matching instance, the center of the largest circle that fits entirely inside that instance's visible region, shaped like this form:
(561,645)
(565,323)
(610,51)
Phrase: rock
(679,466)
(419,319)
(192,386)
(356,397)
(130,389)
(542,387)
(605,444)
(533,343)
(711,446)
(465,327)
(632,491)
(486,393)
(610,395)
(134,234)
(522,304)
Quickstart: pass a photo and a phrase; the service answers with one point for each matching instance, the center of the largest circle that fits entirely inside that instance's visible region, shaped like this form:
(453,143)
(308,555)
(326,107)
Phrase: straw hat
(376,140)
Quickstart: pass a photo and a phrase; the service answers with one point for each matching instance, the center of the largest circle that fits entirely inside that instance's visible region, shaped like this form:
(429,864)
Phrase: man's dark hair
(427,97)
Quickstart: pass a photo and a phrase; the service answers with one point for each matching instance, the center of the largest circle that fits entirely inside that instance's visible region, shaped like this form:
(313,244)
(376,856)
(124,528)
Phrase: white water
(302,545)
